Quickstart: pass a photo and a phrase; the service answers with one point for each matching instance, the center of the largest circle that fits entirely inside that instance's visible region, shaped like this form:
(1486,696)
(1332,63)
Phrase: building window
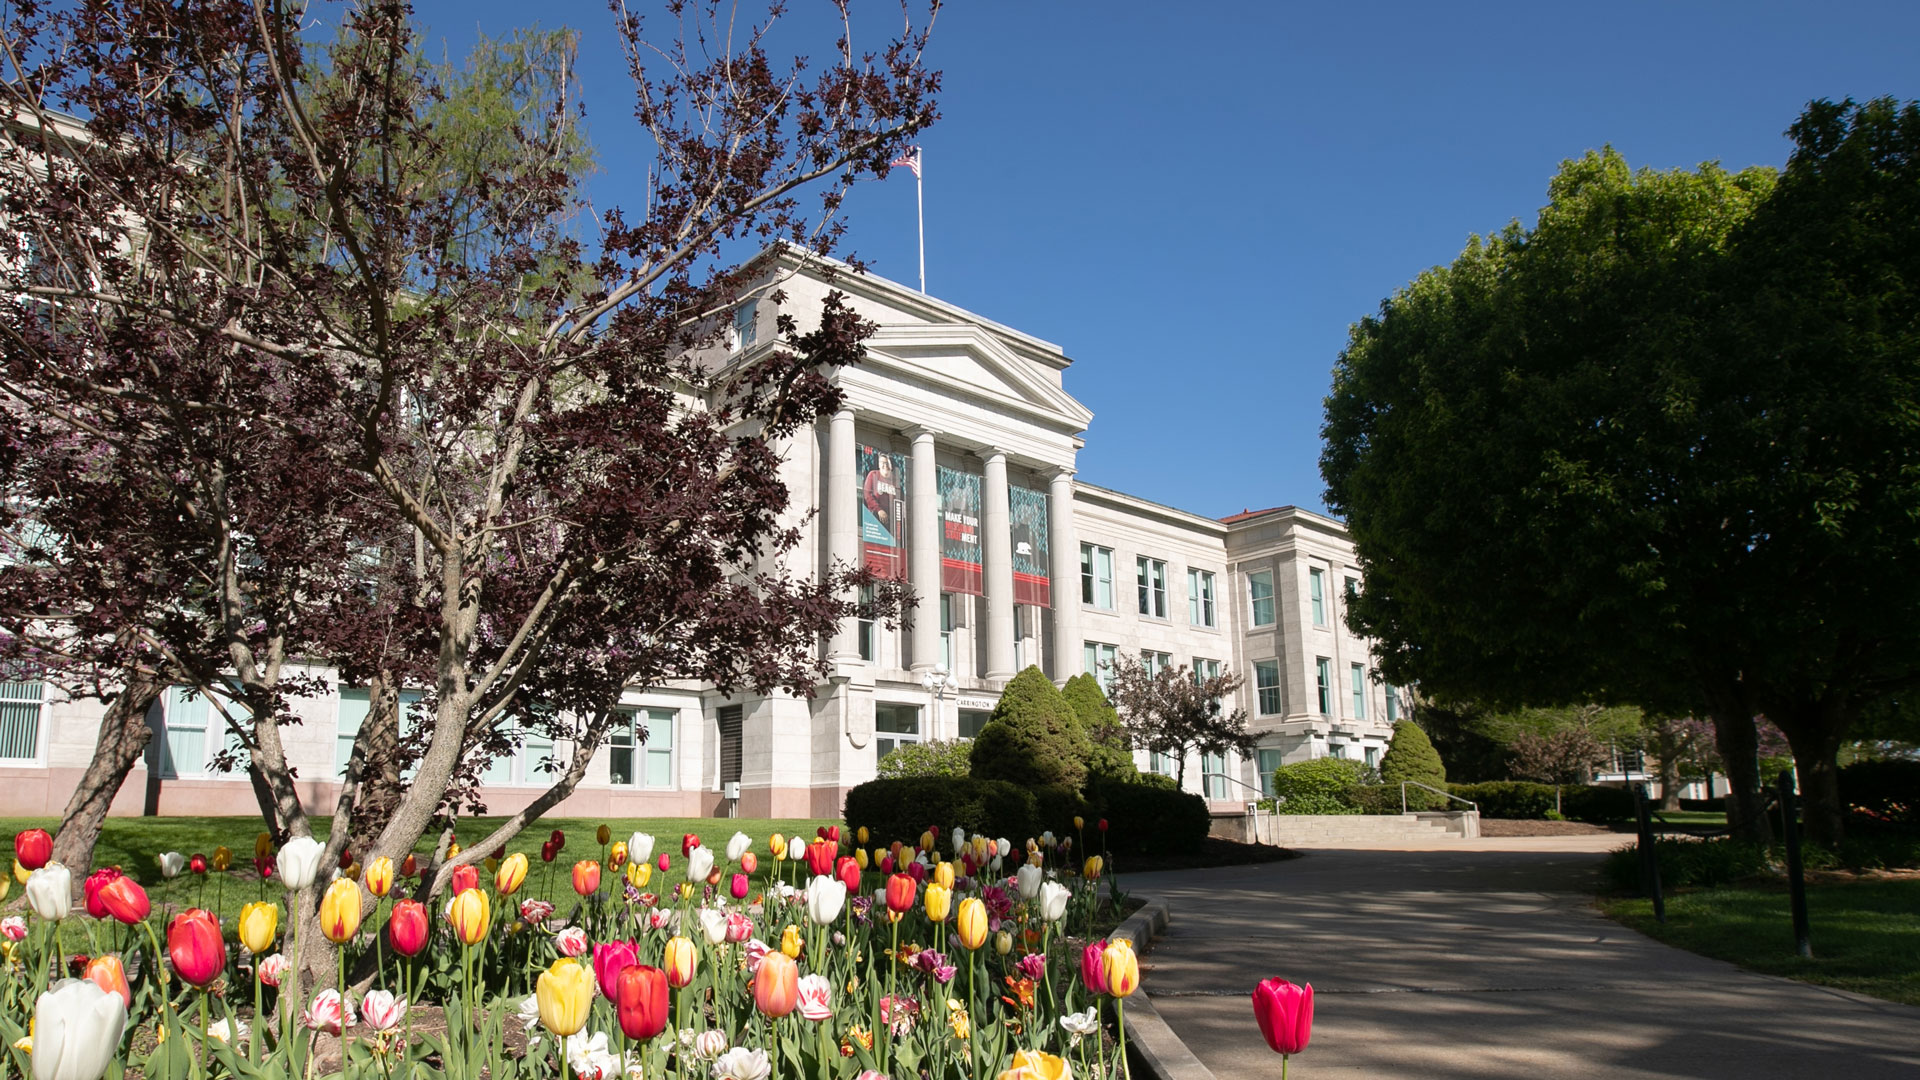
(1359,692)
(1353,588)
(894,725)
(1160,763)
(1152,574)
(354,707)
(1373,757)
(728,722)
(1393,705)
(1324,671)
(1155,662)
(1316,594)
(1338,750)
(746,328)
(1214,768)
(866,633)
(1266,686)
(650,740)
(1204,669)
(1098,660)
(1269,761)
(530,763)
(1096,576)
(946,631)
(1200,609)
(972,720)
(20,721)
(192,726)
(1260,591)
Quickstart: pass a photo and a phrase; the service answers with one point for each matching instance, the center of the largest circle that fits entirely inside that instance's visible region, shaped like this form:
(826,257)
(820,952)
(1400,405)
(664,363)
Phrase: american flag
(908,160)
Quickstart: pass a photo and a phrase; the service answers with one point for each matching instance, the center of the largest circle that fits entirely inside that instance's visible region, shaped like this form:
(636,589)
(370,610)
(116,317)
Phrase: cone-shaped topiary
(1110,754)
(1411,756)
(1034,738)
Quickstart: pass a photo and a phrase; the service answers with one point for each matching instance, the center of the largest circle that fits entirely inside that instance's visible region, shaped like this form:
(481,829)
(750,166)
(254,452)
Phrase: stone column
(923,557)
(997,542)
(1065,570)
(843,520)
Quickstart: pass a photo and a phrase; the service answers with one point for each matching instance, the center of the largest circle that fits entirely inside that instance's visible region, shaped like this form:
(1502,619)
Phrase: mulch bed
(1214,851)
(1504,827)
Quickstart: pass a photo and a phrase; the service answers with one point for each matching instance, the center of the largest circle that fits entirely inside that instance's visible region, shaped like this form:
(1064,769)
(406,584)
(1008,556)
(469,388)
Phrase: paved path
(1486,959)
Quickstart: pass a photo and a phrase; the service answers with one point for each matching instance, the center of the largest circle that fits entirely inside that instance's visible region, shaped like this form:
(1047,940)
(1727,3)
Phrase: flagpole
(920,203)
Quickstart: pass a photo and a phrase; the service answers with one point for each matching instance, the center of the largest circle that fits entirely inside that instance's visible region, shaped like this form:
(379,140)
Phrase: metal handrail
(1253,804)
(1436,791)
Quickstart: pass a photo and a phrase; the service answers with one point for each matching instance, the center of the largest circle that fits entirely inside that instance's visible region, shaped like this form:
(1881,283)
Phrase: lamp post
(938,681)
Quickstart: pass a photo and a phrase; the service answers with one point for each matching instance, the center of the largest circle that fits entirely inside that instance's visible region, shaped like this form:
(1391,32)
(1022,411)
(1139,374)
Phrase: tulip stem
(200,1057)
(346,1014)
(1120,1022)
(259,1022)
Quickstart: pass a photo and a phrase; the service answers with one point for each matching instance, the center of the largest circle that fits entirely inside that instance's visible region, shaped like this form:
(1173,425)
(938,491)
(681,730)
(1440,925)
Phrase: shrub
(1690,863)
(1886,792)
(1110,753)
(1411,757)
(1514,799)
(1034,740)
(1145,818)
(1596,804)
(1325,785)
(936,757)
(1055,808)
(902,809)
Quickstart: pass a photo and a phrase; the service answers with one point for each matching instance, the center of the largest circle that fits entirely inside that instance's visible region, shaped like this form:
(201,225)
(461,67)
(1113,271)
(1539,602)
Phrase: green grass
(1866,934)
(133,843)
(1690,817)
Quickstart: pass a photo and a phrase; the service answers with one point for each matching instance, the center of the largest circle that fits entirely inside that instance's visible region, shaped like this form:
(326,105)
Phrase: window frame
(866,635)
(10,699)
(1262,689)
(1150,578)
(1202,610)
(1254,600)
(1323,676)
(1092,654)
(1359,679)
(1316,594)
(1092,582)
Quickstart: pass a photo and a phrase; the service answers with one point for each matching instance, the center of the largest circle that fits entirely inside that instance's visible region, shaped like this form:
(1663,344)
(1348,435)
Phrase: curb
(1155,1048)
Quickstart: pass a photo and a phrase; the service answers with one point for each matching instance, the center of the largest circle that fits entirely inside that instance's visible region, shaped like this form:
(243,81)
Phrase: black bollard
(1796,873)
(1649,855)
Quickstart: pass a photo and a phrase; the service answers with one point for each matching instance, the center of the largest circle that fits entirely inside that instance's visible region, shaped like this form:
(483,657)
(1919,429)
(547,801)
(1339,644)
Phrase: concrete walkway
(1485,959)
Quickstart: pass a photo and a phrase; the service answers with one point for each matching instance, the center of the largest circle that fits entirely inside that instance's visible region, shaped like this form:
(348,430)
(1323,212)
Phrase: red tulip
(1093,966)
(125,900)
(407,927)
(916,871)
(409,866)
(464,878)
(848,872)
(935,830)
(586,877)
(663,862)
(346,858)
(886,864)
(641,1000)
(1103,824)
(33,848)
(688,842)
(197,864)
(901,890)
(1285,1013)
(263,865)
(194,946)
(609,960)
(820,857)
(548,851)
(833,834)
(95,882)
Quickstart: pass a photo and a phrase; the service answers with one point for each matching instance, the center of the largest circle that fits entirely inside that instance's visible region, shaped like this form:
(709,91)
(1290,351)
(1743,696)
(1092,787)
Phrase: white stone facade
(956,397)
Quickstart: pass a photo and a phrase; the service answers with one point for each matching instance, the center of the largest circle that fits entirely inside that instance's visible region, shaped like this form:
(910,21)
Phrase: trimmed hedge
(1146,819)
(1597,804)
(1526,801)
(1327,785)
(902,809)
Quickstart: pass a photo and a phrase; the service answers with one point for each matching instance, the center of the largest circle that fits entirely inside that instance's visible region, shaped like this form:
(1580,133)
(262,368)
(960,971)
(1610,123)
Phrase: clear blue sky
(1196,201)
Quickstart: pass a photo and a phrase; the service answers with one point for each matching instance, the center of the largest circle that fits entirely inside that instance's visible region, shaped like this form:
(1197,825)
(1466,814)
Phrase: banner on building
(960,533)
(1027,515)
(883,512)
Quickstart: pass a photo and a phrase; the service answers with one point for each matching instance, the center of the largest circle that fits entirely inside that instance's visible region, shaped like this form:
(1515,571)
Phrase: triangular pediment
(971,361)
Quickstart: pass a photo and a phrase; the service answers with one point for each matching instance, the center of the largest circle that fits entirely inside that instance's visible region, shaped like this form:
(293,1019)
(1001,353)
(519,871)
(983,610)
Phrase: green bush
(1145,819)
(1110,753)
(1411,757)
(1325,785)
(1690,863)
(1034,739)
(1512,799)
(1597,804)
(1055,808)
(936,757)
(902,809)
(1883,792)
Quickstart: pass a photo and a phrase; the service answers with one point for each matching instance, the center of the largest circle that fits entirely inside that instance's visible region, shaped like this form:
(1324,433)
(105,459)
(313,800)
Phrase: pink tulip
(272,968)
(326,1013)
(571,942)
(816,997)
(1093,966)
(608,959)
(14,928)
(382,1011)
(536,912)
(739,927)
(1285,1013)
(740,885)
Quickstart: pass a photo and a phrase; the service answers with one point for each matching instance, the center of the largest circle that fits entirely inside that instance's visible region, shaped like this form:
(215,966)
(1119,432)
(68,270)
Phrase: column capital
(918,432)
(988,453)
(1059,472)
(844,412)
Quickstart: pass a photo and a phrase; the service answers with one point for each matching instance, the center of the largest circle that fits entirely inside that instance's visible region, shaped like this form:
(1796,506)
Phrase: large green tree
(1658,449)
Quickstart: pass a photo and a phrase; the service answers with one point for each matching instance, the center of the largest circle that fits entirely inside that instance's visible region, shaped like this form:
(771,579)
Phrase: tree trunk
(1739,743)
(1666,748)
(1814,732)
(123,738)
(379,793)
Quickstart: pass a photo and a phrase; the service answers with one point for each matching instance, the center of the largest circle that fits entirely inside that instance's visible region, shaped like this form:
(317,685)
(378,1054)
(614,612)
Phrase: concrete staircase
(1334,830)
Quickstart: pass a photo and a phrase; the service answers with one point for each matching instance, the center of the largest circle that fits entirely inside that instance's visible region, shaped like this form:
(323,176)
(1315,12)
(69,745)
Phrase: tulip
(171,863)
(548,851)
(340,911)
(195,946)
(351,872)
(536,912)
(860,859)
(407,927)
(270,969)
(463,878)
(826,898)
(328,1013)
(33,848)
(777,843)
(609,960)
(299,862)
(688,841)
(602,834)
(796,849)
(382,1011)
(563,995)
(1003,943)
(259,921)
(640,1001)
(917,870)
(680,960)
(943,875)
(939,903)
(1037,1065)
(739,886)
(108,974)
(1093,969)
(346,859)
(512,872)
(820,856)
(737,846)
(638,874)
(50,892)
(1027,879)
(617,855)
(95,882)
(739,927)
(640,847)
(77,1027)
(410,866)
(1285,1014)
(1120,968)
(222,859)
(900,893)
(13,928)
(263,845)
(197,863)
(972,923)
(1091,871)
(926,840)
(379,879)
(1053,901)
(847,870)
(699,863)
(776,989)
(664,862)
(470,914)
(558,839)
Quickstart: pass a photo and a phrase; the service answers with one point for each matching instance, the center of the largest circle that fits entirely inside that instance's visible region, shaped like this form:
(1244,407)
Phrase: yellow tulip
(513,871)
(340,911)
(790,941)
(21,873)
(778,845)
(1036,858)
(939,902)
(1092,869)
(564,993)
(380,876)
(222,857)
(639,873)
(1079,823)
(686,890)
(972,923)
(470,915)
(680,961)
(263,845)
(617,856)
(860,857)
(861,835)
(1003,943)
(943,875)
(453,849)
(1121,968)
(926,840)
(879,853)
(258,923)
(603,834)
(1035,1065)
(6,886)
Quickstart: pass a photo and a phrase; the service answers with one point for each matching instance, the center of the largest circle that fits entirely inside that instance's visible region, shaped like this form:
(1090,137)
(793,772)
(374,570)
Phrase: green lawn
(133,843)
(1690,817)
(1866,934)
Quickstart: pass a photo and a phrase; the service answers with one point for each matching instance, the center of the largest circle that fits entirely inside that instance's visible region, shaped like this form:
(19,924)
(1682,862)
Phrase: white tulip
(171,863)
(50,892)
(699,863)
(741,1063)
(76,1030)
(299,862)
(640,847)
(796,849)
(825,897)
(713,923)
(1053,901)
(959,840)
(738,846)
(1028,879)
(1004,846)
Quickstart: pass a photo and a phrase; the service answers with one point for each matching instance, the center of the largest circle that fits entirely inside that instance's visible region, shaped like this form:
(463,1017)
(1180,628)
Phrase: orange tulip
(109,975)
(776,985)
(586,877)
(900,893)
